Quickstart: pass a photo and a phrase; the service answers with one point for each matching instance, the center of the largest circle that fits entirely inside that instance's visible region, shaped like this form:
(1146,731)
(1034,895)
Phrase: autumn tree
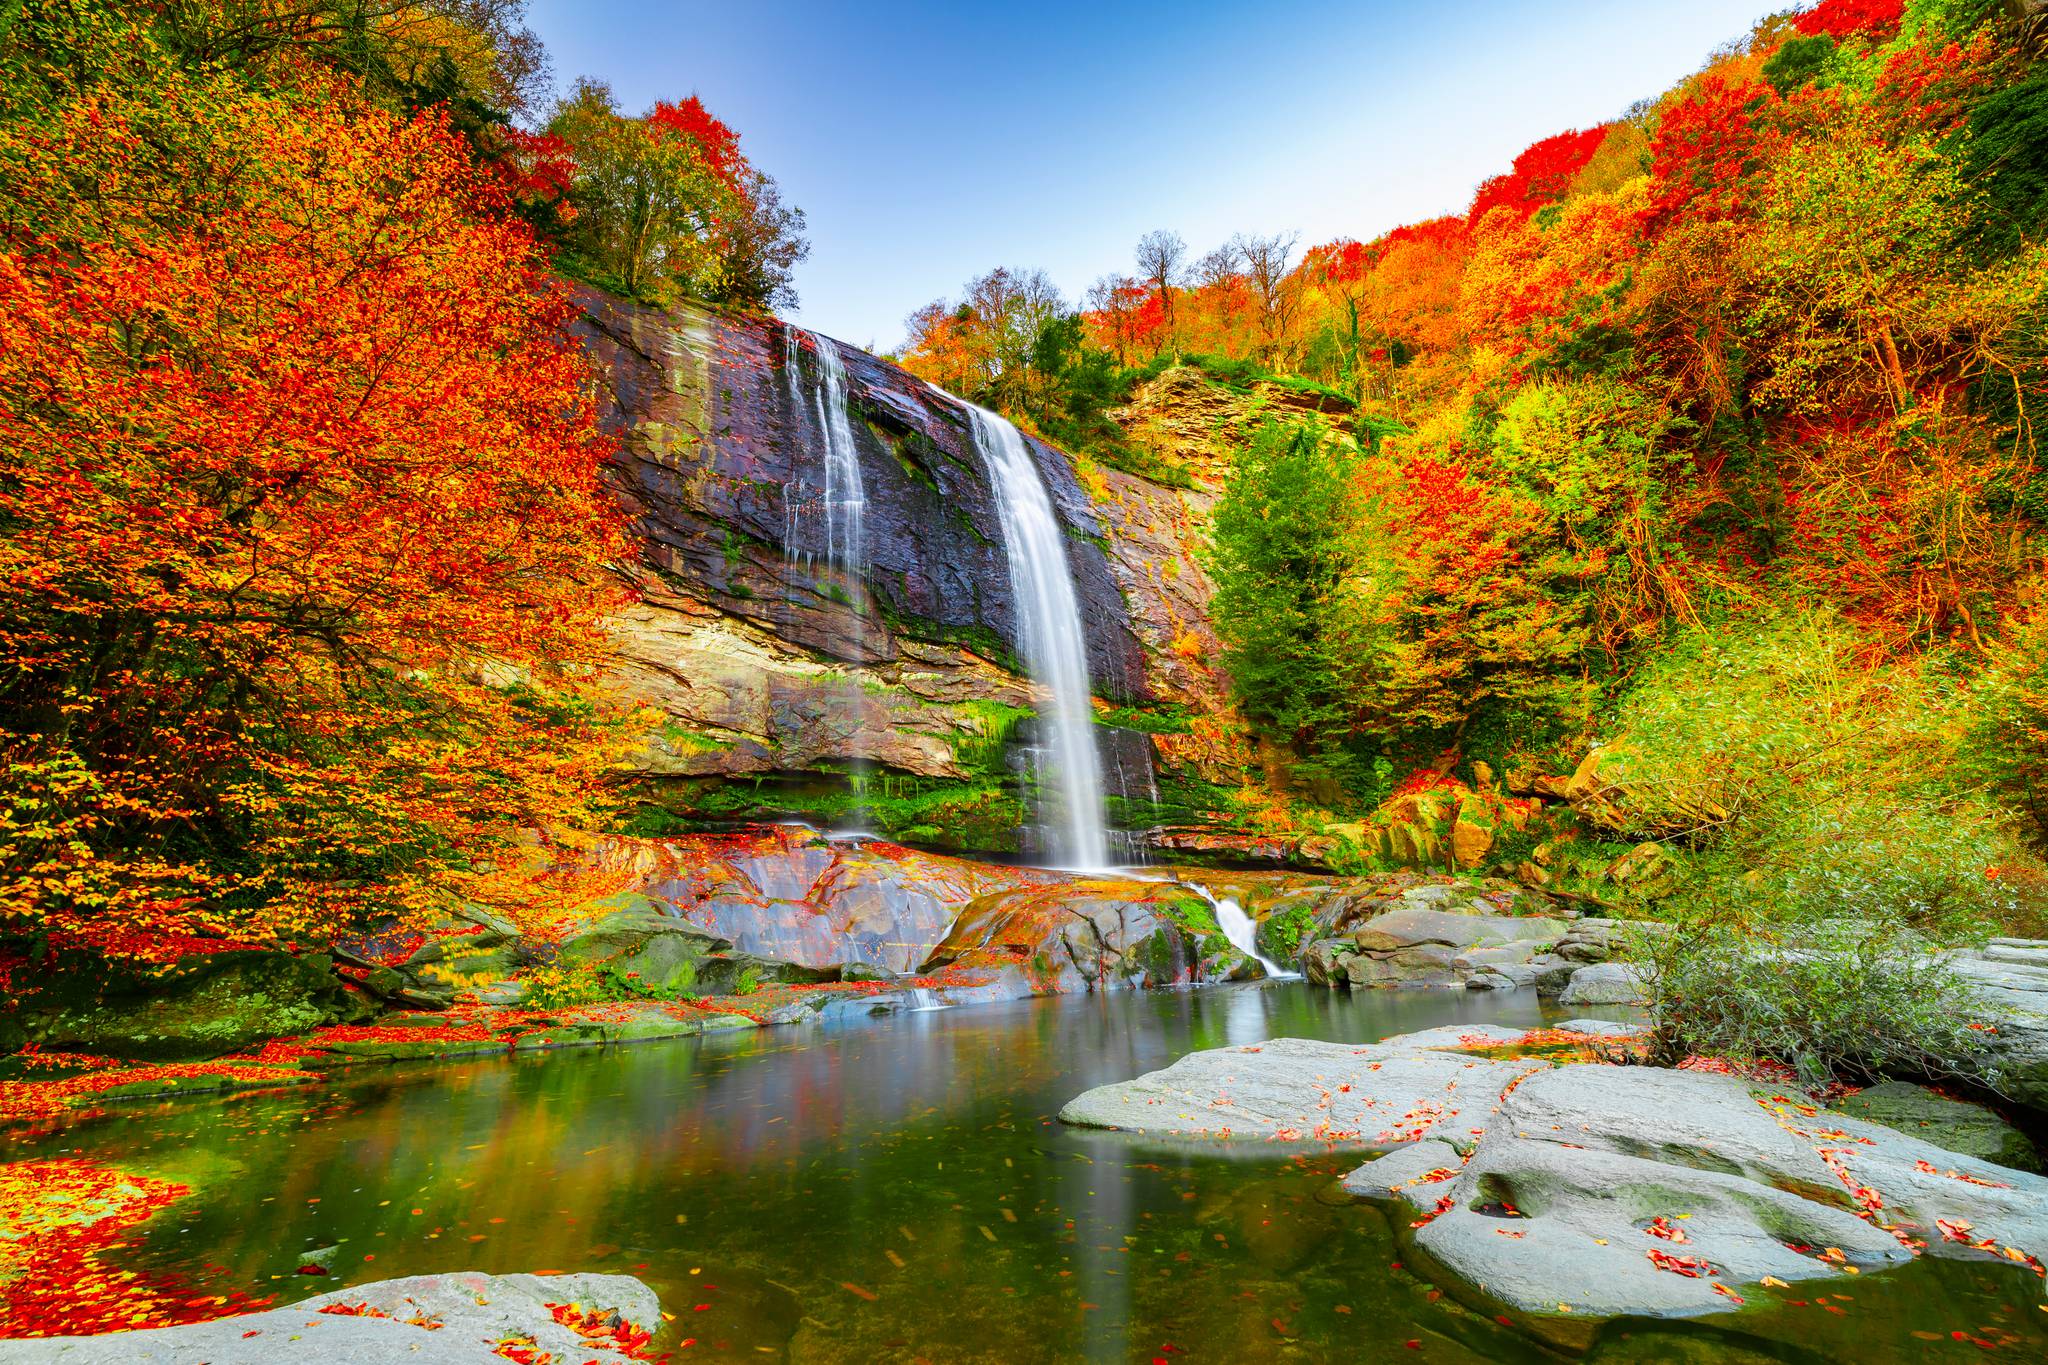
(1160,257)
(982,345)
(1266,261)
(304,540)
(667,204)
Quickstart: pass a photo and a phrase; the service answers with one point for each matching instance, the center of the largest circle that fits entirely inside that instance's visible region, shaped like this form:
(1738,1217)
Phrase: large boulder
(1418,945)
(464,1318)
(1606,983)
(1633,1190)
(1292,1089)
(1957,1125)
(1576,1192)
(2009,980)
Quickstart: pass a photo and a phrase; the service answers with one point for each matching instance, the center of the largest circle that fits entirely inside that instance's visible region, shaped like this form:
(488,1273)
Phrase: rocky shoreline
(462,1318)
(781,925)
(1534,1179)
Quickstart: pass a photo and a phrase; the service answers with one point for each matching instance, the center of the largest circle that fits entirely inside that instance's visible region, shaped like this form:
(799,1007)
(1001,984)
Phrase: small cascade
(1055,645)
(1134,791)
(923,1000)
(826,523)
(1237,926)
(829,527)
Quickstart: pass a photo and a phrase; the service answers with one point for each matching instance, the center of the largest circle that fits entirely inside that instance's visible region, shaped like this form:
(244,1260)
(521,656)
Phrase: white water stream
(1055,645)
(839,511)
(1237,926)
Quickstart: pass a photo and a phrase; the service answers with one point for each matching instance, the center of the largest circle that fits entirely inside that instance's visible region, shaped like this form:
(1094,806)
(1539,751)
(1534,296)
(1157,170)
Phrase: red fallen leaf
(1443,1206)
(1413,1344)
(856,1289)
(1692,1267)
(1726,1292)
(312,1270)
(252,1332)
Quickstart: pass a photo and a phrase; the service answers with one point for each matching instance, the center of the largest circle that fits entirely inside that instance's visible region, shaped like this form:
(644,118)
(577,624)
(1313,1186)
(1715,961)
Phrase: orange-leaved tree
(304,540)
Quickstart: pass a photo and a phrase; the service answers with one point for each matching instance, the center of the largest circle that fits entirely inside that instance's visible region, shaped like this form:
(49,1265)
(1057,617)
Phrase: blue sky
(930,141)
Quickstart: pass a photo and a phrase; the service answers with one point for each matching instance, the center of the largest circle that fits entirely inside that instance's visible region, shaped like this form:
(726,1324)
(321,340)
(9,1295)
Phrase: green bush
(1813,785)
(1837,839)
(1845,1000)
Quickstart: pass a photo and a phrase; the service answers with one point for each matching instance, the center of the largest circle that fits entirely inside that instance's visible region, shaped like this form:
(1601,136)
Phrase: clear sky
(929,140)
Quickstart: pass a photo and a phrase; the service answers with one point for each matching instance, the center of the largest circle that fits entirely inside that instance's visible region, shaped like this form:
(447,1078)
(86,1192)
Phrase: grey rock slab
(1605,983)
(1424,964)
(1556,1203)
(1410,927)
(1291,1088)
(1956,1125)
(1582,1244)
(1455,1037)
(1603,1028)
(1484,959)
(1403,1173)
(1718,1123)
(476,1311)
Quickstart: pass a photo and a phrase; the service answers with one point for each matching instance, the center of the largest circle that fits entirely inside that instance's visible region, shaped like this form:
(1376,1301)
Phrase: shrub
(1843,1000)
(1838,842)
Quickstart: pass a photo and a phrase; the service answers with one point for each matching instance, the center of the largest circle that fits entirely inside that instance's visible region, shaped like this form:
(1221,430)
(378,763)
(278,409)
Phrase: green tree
(1280,560)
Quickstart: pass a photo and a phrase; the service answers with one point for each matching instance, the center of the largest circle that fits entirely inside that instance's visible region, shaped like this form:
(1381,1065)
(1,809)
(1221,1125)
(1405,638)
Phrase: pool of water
(898,1189)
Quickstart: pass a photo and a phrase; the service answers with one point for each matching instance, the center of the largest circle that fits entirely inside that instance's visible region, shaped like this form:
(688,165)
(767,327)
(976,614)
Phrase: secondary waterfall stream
(830,528)
(1237,926)
(1055,645)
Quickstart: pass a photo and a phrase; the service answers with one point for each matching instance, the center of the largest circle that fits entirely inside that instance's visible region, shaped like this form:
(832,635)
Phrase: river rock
(476,1313)
(1557,1190)
(1292,1089)
(2011,995)
(1957,1125)
(1756,1182)
(1418,946)
(1605,983)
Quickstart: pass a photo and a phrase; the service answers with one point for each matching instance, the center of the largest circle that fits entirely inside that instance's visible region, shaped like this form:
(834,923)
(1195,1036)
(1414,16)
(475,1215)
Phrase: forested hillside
(1705,442)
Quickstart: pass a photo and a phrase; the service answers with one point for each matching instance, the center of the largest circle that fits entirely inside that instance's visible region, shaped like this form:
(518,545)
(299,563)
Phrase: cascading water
(1055,646)
(1237,926)
(831,527)
(841,504)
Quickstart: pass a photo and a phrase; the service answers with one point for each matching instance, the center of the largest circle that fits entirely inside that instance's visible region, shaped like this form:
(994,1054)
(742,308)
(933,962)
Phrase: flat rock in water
(1958,1125)
(1292,1089)
(1635,1190)
(1604,983)
(475,1311)
(1595,1191)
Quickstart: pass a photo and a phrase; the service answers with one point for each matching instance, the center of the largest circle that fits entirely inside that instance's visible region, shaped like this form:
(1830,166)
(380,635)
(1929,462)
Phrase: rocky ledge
(1536,1179)
(465,1318)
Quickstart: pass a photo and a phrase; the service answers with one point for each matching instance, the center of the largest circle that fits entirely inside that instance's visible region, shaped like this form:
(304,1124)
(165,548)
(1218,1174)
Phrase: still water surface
(898,1189)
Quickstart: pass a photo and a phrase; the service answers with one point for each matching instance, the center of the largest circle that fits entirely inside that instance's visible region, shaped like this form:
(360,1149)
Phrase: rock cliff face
(773,692)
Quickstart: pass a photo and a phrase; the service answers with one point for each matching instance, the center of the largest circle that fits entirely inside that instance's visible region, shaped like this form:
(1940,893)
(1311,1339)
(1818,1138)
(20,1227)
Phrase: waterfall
(1055,646)
(841,515)
(846,542)
(842,502)
(1237,926)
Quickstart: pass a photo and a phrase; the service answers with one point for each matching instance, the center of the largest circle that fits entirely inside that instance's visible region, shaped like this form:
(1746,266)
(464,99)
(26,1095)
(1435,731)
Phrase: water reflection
(893,1190)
